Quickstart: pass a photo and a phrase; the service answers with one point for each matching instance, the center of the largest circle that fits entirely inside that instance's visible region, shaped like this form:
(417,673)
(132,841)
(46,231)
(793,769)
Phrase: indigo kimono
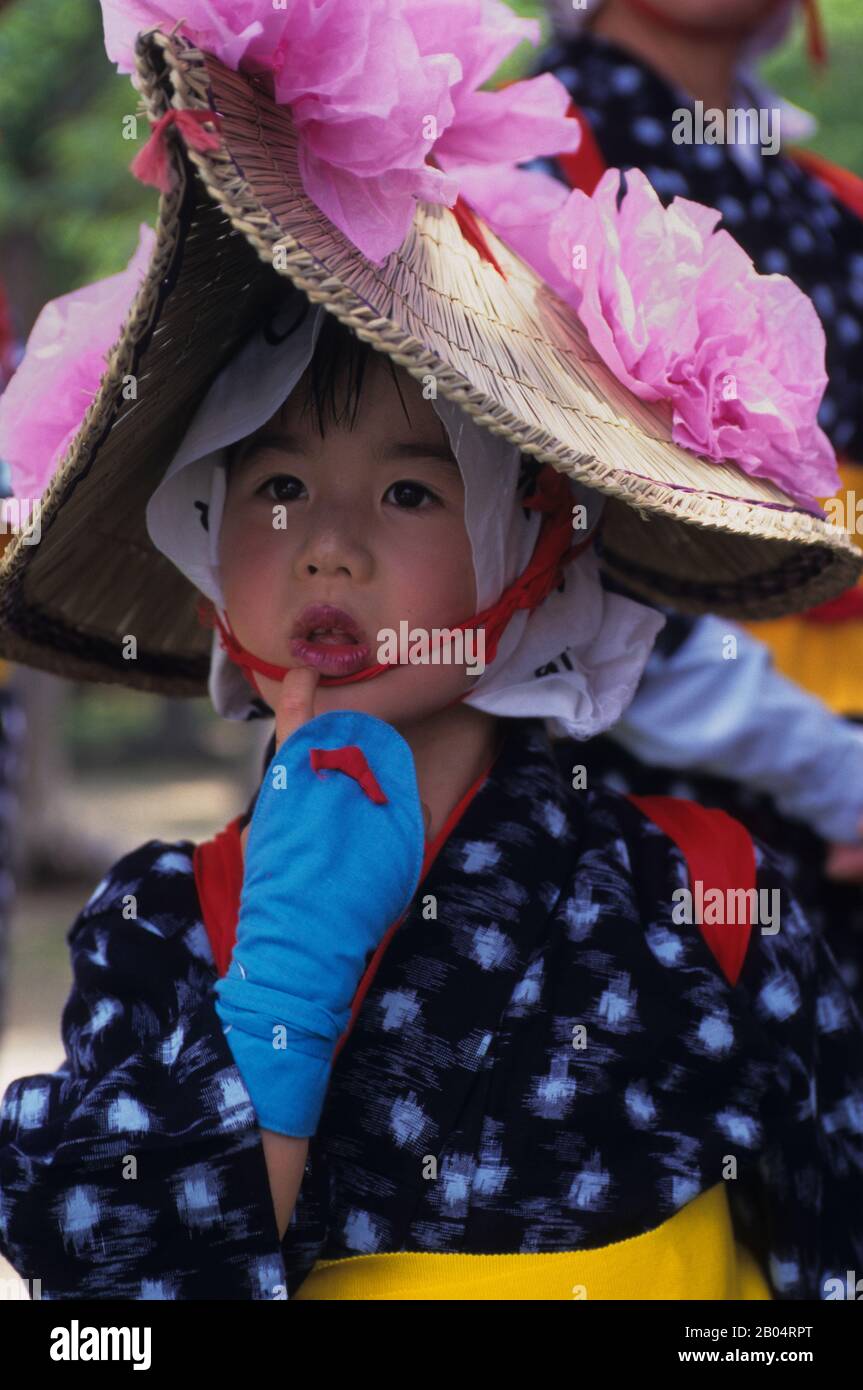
(546,1061)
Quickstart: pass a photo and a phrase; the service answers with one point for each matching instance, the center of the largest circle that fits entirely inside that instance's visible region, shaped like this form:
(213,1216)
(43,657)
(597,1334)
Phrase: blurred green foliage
(69,212)
(832,94)
(64,186)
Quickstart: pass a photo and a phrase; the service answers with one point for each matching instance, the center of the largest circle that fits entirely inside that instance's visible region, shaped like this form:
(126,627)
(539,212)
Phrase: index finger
(296,701)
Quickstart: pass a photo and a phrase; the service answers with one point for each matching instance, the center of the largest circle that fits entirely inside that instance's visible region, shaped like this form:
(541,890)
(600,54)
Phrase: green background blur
(69,213)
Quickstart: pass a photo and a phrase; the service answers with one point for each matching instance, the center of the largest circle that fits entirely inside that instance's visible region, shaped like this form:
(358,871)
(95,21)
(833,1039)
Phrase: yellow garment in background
(825,658)
(693,1255)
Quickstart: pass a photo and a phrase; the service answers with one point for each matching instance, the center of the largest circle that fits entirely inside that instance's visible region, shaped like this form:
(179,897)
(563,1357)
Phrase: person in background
(745,737)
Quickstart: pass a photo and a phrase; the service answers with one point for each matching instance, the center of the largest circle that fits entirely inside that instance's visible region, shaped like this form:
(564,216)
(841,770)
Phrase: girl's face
(369,520)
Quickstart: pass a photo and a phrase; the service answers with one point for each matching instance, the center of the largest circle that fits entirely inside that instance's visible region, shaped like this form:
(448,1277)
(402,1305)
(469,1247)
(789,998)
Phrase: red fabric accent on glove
(218,865)
(351,760)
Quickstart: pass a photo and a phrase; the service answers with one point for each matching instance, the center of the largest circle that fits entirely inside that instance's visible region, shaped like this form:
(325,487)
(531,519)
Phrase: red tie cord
(554,550)
(152,165)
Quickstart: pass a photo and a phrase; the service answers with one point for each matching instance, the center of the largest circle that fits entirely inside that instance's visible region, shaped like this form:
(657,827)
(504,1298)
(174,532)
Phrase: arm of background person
(737,717)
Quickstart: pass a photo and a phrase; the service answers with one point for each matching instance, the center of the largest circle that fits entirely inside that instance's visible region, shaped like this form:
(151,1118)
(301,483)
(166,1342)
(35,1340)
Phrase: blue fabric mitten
(327,870)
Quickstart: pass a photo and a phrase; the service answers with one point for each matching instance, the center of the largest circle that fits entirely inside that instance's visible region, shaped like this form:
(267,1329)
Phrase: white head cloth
(795,123)
(606,638)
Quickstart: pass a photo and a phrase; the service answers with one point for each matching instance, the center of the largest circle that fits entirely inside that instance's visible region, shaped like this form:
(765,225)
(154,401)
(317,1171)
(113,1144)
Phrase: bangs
(332,385)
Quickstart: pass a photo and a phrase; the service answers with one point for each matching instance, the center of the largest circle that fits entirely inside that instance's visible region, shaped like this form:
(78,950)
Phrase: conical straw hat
(695,534)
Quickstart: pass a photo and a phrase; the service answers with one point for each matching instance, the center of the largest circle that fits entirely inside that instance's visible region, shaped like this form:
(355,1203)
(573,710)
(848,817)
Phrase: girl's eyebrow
(412,449)
(407,449)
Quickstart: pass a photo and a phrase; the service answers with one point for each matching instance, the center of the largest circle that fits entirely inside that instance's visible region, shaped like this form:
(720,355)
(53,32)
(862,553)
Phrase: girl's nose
(336,549)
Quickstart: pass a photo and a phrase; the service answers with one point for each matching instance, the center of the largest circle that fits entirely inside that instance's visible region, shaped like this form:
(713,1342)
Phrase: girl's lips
(325,618)
(331,658)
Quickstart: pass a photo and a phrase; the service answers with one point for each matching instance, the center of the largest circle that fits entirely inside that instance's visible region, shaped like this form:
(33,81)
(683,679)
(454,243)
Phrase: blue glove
(327,871)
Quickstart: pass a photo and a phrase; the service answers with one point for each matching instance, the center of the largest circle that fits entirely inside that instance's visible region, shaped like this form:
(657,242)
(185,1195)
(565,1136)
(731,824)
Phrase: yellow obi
(693,1255)
(825,658)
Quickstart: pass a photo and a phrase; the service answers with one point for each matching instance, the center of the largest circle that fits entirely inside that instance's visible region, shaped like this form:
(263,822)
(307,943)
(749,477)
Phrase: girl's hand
(295,707)
(334,857)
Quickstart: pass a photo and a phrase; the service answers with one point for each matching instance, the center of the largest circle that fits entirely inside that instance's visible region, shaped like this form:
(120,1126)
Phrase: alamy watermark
(727,907)
(20,1290)
(23,517)
(77,1343)
(436,646)
(737,125)
(845,513)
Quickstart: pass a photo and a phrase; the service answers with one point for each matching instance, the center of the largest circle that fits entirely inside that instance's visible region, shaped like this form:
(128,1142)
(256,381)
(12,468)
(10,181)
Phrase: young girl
(428,1020)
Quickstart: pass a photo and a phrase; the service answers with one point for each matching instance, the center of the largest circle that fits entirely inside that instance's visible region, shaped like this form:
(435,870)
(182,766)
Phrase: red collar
(219,880)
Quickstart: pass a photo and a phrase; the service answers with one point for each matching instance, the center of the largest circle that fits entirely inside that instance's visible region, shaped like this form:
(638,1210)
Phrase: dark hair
(333,384)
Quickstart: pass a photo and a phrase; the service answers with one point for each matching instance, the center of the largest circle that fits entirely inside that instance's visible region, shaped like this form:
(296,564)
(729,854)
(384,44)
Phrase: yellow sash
(826,659)
(691,1256)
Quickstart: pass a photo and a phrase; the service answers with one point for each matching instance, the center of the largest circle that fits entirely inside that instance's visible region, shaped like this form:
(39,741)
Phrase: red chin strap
(815,41)
(553,551)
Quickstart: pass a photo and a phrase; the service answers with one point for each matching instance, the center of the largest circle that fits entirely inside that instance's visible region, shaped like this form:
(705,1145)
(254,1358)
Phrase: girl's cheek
(246,541)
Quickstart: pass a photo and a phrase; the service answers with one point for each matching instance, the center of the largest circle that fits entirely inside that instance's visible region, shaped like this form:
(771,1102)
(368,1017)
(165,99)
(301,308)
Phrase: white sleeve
(720,707)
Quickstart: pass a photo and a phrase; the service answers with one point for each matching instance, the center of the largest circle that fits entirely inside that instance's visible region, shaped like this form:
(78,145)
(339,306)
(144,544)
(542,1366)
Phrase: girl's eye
(283,485)
(410,494)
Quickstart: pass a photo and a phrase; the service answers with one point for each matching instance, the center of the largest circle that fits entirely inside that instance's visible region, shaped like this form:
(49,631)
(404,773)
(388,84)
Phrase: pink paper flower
(518,205)
(60,372)
(239,32)
(678,312)
(367,105)
(376,88)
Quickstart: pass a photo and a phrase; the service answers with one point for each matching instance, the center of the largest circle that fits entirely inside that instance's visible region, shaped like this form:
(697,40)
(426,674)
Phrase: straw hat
(694,534)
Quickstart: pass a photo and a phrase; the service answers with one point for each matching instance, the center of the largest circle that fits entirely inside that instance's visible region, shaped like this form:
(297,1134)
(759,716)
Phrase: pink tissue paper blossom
(42,407)
(375,87)
(518,205)
(678,312)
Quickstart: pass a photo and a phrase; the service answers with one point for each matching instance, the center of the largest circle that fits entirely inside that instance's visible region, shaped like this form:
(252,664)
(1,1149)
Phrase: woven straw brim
(693,534)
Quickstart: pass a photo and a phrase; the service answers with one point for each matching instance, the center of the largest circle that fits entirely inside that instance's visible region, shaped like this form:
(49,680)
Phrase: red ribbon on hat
(554,550)
(468,225)
(152,165)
